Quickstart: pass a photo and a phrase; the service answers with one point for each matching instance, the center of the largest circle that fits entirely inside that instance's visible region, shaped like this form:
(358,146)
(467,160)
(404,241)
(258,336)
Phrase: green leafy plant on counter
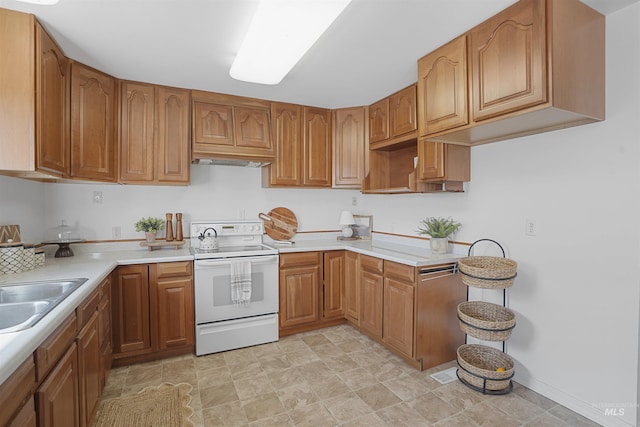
(438,227)
(150,225)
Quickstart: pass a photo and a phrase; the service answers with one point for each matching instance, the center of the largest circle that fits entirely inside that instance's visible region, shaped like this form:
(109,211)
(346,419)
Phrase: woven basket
(487,272)
(478,364)
(486,321)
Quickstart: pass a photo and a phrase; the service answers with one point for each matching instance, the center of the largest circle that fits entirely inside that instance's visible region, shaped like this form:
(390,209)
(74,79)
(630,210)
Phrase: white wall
(22,203)
(578,288)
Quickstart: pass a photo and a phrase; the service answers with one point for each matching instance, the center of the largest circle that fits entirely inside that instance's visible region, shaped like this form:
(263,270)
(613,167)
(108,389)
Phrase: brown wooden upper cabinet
(349,147)
(393,119)
(537,66)
(231,127)
(52,108)
(317,147)
(93,119)
(442,88)
(302,137)
(34,106)
(154,134)
(286,169)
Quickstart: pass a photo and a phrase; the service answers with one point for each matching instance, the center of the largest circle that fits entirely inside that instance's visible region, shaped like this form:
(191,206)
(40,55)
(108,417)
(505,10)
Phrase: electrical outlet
(116,232)
(531,228)
(97,197)
(354,201)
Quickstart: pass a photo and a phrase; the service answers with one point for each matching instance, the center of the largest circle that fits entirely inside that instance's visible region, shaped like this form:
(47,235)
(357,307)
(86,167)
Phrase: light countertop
(96,261)
(415,256)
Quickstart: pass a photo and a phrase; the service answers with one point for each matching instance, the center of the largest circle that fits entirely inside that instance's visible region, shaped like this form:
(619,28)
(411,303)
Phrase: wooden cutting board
(280,223)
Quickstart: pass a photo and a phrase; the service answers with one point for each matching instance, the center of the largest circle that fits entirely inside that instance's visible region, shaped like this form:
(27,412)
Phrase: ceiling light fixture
(42,2)
(281,32)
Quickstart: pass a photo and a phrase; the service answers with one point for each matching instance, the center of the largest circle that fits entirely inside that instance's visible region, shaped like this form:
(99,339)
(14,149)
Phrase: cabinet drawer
(405,273)
(174,269)
(372,264)
(15,390)
(54,347)
(300,258)
(86,309)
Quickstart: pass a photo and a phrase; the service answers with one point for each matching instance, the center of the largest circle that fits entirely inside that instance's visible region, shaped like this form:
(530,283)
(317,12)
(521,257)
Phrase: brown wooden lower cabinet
(58,403)
(371,295)
(89,374)
(352,287)
(397,320)
(153,311)
(26,417)
(411,315)
(300,278)
(311,291)
(333,285)
(130,296)
(16,396)
(104,331)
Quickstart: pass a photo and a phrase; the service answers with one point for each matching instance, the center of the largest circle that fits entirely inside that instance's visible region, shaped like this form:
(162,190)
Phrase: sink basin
(22,305)
(35,291)
(14,315)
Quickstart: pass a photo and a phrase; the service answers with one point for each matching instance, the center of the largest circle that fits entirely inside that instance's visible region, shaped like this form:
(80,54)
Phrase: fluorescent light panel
(42,2)
(281,32)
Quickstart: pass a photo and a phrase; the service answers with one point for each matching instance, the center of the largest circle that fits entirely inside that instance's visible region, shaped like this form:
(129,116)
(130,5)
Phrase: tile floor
(332,377)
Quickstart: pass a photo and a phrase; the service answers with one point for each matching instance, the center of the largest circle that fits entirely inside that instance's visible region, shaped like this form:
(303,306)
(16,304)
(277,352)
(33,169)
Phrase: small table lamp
(346,221)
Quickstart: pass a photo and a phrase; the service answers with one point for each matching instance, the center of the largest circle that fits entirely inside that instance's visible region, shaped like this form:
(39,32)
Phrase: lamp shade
(346,218)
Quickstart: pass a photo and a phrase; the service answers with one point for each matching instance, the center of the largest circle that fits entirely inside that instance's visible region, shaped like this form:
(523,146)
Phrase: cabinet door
(317,147)
(349,147)
(212,126)
(57,398)
(89,378)
(333,295)
(104,331)
(431,160)
(442,88)
(26,417)
(352,286)
(371,288)
(16,394)
(398,316)
(508,60)
(131,329)
(52,105)
(92,124)
(173,148)
(299,295)
(136,132)
(287,138)
(175,312)
(402,112)
(253,129)
(379,121)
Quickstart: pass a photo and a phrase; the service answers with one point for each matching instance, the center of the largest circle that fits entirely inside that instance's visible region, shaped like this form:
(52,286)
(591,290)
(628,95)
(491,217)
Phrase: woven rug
(166,405)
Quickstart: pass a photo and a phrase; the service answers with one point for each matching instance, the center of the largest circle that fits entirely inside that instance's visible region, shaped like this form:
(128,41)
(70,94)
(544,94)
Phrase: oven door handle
(227,261)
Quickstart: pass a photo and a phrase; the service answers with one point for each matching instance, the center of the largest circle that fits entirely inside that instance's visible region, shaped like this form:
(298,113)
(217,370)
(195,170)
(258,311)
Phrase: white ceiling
(368,53)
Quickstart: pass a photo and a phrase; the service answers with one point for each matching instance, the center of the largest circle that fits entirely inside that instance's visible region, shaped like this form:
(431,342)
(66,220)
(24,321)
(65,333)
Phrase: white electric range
(235,285)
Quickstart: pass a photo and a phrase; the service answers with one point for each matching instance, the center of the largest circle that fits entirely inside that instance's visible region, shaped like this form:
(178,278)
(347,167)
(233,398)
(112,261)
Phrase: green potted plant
(150,226)
(439,230)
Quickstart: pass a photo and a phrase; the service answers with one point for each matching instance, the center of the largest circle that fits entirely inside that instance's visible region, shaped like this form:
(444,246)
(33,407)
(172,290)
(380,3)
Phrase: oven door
(212,279)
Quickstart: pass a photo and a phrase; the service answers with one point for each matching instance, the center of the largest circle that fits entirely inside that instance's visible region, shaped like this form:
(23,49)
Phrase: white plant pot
(439,245)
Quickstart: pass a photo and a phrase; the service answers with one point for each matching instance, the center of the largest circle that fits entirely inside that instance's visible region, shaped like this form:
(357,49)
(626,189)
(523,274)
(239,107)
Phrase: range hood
(231,162)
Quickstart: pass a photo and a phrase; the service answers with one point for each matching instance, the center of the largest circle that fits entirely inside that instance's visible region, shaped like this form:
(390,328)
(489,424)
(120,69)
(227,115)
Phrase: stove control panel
(227,228)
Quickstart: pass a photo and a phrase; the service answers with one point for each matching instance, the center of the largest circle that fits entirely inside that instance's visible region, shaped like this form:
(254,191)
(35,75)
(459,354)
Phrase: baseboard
(614,417)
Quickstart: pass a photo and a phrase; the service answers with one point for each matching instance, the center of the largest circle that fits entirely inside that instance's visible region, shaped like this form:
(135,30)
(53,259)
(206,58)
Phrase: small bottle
(169,235)
(179,236)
